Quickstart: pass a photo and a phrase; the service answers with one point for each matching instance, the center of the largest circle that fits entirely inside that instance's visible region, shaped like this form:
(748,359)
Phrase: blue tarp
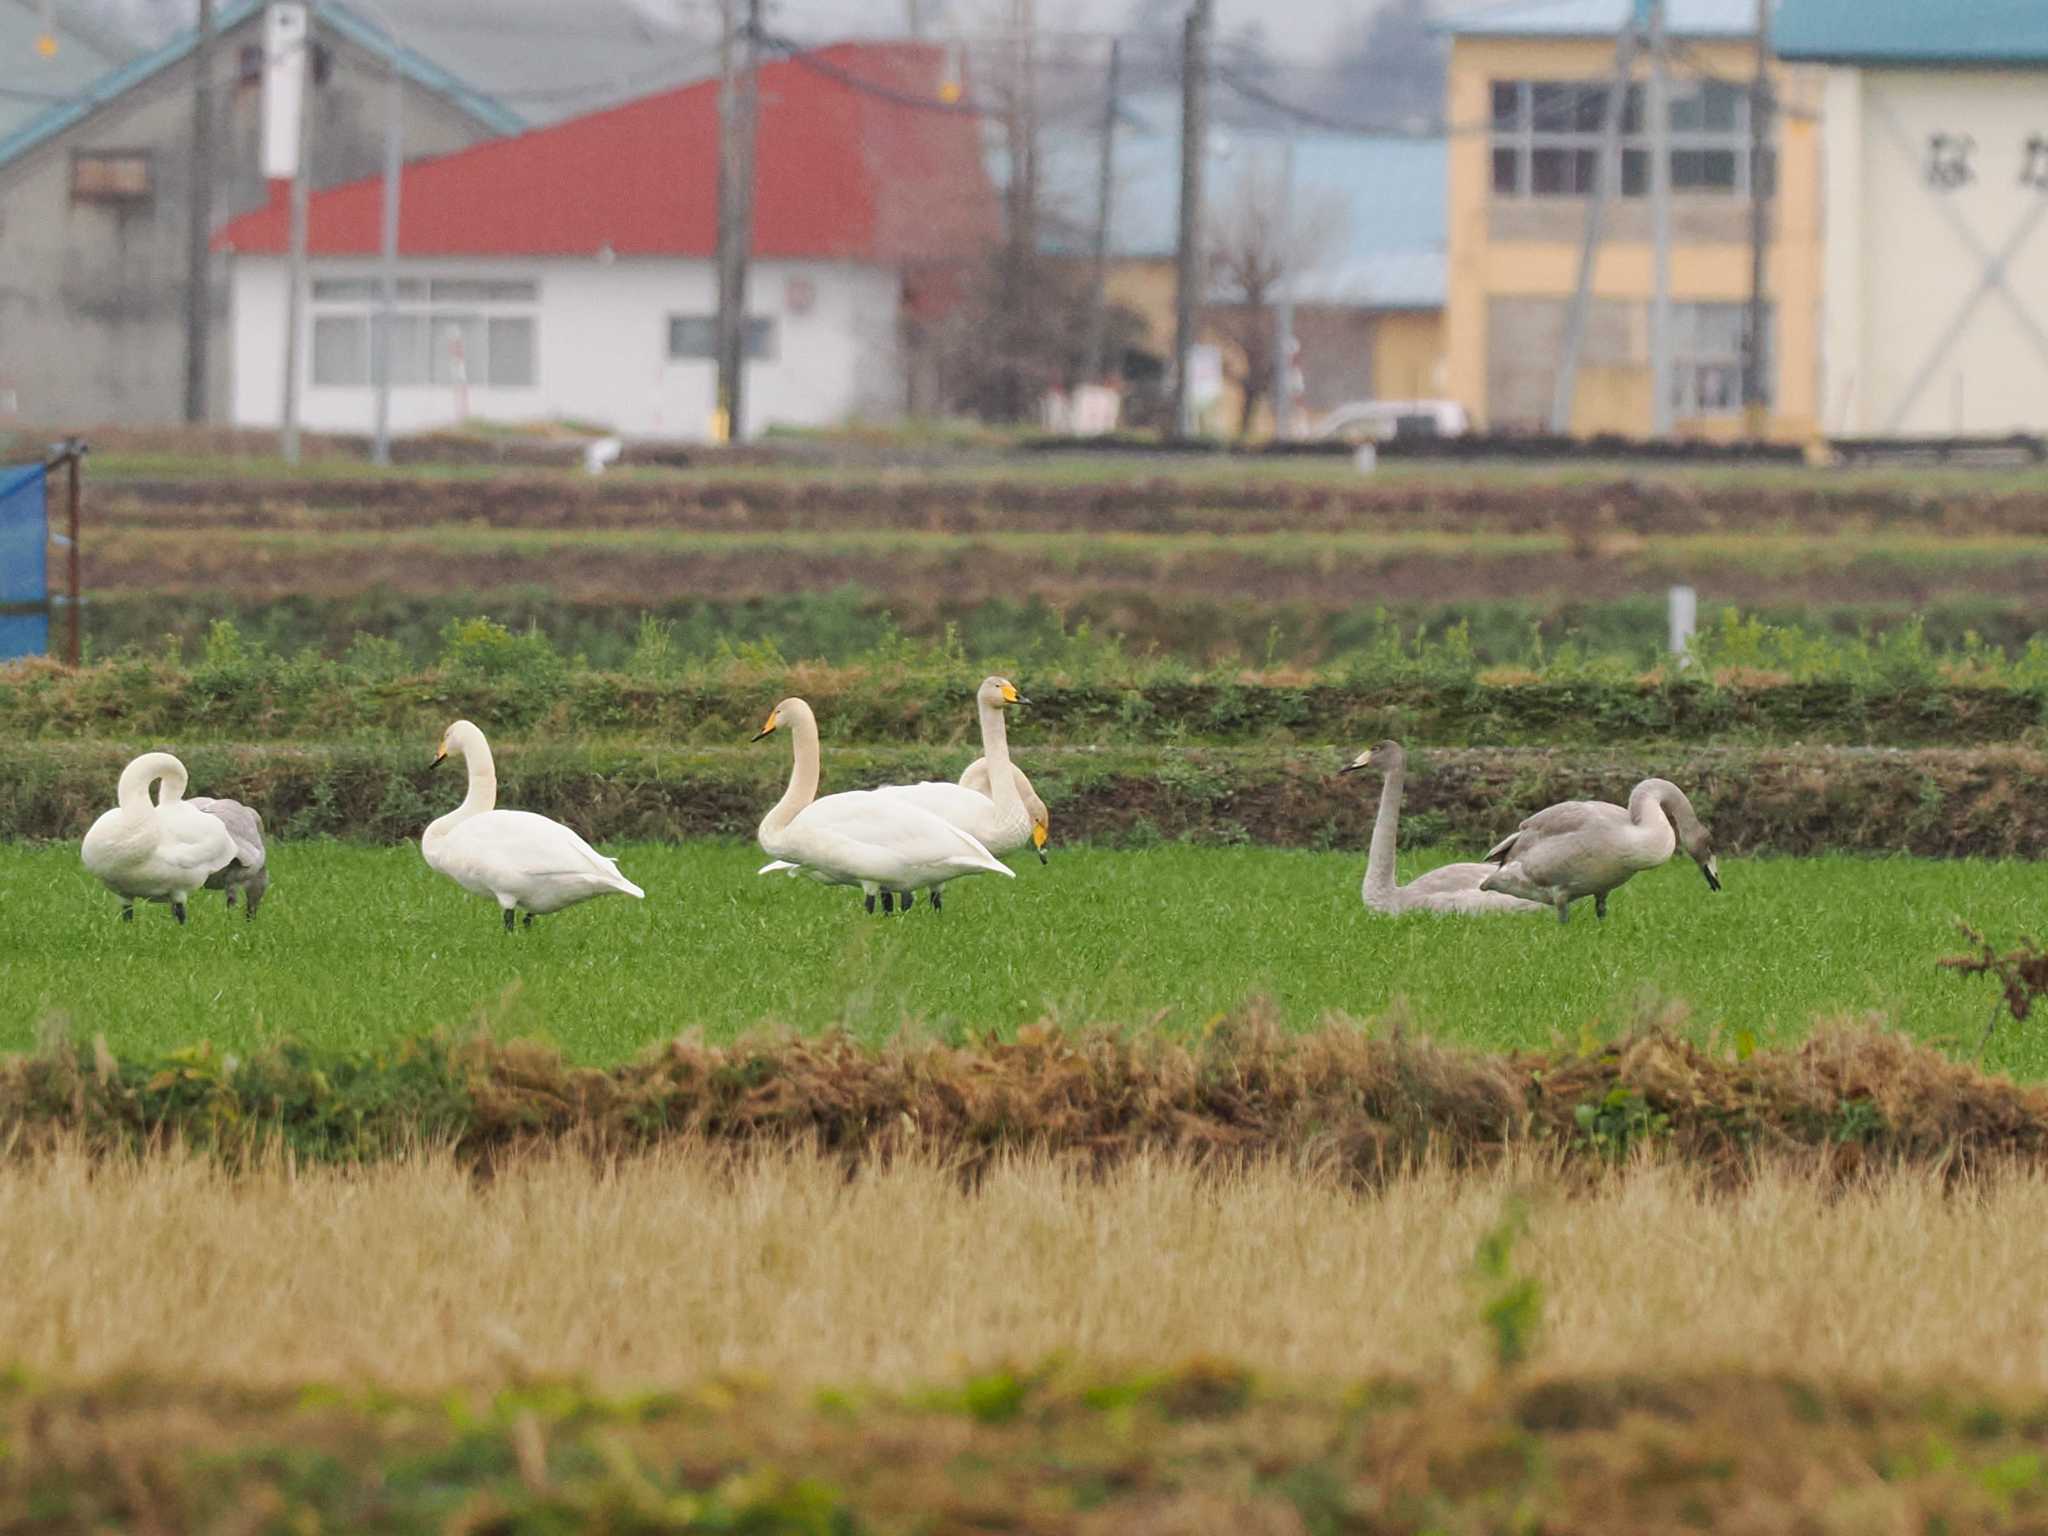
(24,562)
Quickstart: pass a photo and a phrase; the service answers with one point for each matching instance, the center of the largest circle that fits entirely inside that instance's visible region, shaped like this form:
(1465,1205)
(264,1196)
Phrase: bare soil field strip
(651,568)
(1647,505)
(1989,802)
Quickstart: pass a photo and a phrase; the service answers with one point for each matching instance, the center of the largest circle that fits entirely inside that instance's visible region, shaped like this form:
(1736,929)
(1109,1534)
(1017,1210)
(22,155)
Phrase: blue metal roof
(1604,18)
(31,84)
(115,83)
(1383,196)
(1980,32)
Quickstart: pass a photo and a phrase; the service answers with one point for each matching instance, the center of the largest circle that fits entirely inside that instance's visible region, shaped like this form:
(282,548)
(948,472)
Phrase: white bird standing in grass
(161,851)
(1454,888)
(885,844)
(249,874)
(997,816)
(975,776)
(526,863)
(1588,847)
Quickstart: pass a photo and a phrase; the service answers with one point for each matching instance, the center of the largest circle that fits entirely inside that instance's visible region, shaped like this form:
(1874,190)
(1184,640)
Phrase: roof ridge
(118,81)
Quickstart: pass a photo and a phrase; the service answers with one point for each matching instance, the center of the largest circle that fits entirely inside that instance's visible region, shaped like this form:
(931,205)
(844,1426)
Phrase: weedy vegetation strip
(1746,681)
(1200,1446)
(1941,803)
(1362,1107)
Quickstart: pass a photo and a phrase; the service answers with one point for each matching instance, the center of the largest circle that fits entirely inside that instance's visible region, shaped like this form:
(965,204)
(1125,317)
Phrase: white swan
(1588,847)
(975,776)
(1453,888)
(155,852)
(995,816)
(883,843)
(526,863)
(249,874)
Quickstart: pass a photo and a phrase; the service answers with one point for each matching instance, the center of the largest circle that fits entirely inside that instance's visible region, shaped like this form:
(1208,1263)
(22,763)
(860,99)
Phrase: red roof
(850,168)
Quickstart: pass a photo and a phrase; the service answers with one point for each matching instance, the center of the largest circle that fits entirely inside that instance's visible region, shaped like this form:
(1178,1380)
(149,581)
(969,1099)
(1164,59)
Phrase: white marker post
(1685,613)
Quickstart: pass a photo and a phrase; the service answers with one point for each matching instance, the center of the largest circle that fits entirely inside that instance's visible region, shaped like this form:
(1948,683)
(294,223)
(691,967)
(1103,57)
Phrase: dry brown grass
(681,1265)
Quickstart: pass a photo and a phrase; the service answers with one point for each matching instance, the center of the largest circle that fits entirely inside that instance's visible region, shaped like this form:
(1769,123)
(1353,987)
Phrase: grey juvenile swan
(1588,847)
(1454,888)
(250,873)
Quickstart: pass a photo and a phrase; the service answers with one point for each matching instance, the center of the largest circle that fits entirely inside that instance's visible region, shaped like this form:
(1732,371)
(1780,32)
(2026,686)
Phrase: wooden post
(74,649)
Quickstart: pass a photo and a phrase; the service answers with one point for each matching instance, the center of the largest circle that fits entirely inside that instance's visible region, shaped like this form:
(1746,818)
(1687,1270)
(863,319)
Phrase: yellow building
(1528,89)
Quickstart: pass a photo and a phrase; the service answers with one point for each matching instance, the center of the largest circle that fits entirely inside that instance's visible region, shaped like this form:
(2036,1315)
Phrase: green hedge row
(1935,803)
(270,699)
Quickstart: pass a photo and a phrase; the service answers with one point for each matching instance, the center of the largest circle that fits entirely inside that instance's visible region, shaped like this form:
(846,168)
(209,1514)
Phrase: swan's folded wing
(870,824)
(191,839)
(535,847)
(1561,820)
(243,824)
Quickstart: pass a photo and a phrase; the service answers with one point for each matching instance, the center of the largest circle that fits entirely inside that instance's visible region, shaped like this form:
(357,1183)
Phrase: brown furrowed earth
(643,568)
(1647,506)
(1938,803)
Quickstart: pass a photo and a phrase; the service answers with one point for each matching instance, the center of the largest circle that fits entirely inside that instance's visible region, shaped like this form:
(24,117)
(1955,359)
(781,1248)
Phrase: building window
(473,330)
(1706,359)
(1547,136)
(111,176)
(693,338)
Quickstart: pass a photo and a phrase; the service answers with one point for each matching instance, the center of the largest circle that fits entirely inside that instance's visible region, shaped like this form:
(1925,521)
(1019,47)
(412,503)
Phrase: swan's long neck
(1379,862)
(803,772)
(1662,814)
(483,786)
(133,793)
(995,746)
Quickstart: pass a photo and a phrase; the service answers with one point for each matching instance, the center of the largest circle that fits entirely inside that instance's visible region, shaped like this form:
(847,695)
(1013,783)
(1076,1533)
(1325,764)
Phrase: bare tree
(1255,242)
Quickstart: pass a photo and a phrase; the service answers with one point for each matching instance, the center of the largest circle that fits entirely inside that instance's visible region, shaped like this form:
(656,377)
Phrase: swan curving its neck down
(466,739)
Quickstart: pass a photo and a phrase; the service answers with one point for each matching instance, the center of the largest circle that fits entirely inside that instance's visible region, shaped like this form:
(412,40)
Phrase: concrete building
(95,190)
(1935,144)
(568,273)
(1527,91)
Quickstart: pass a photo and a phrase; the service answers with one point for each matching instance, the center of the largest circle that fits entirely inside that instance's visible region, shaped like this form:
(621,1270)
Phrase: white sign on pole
(284,88)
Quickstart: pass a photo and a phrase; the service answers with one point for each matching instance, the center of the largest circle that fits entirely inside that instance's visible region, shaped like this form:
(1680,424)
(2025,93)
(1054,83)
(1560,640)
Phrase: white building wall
(601,340)
(1917,345)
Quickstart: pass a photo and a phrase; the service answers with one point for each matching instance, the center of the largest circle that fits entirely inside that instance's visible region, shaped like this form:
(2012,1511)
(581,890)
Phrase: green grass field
(358,946)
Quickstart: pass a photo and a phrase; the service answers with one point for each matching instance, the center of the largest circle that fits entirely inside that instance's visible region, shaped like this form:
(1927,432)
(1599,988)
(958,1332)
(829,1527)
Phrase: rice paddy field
(1161,1188)
(363,947)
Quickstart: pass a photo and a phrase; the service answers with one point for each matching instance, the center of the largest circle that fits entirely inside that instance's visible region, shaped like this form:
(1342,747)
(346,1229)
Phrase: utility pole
(1283,302)
(1605,178)
(387,263)
(1015,339)
(1657,104)
(295,295)
(738,53)
(199,213)
(1755,390)
(1097,359)
(1194,148)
